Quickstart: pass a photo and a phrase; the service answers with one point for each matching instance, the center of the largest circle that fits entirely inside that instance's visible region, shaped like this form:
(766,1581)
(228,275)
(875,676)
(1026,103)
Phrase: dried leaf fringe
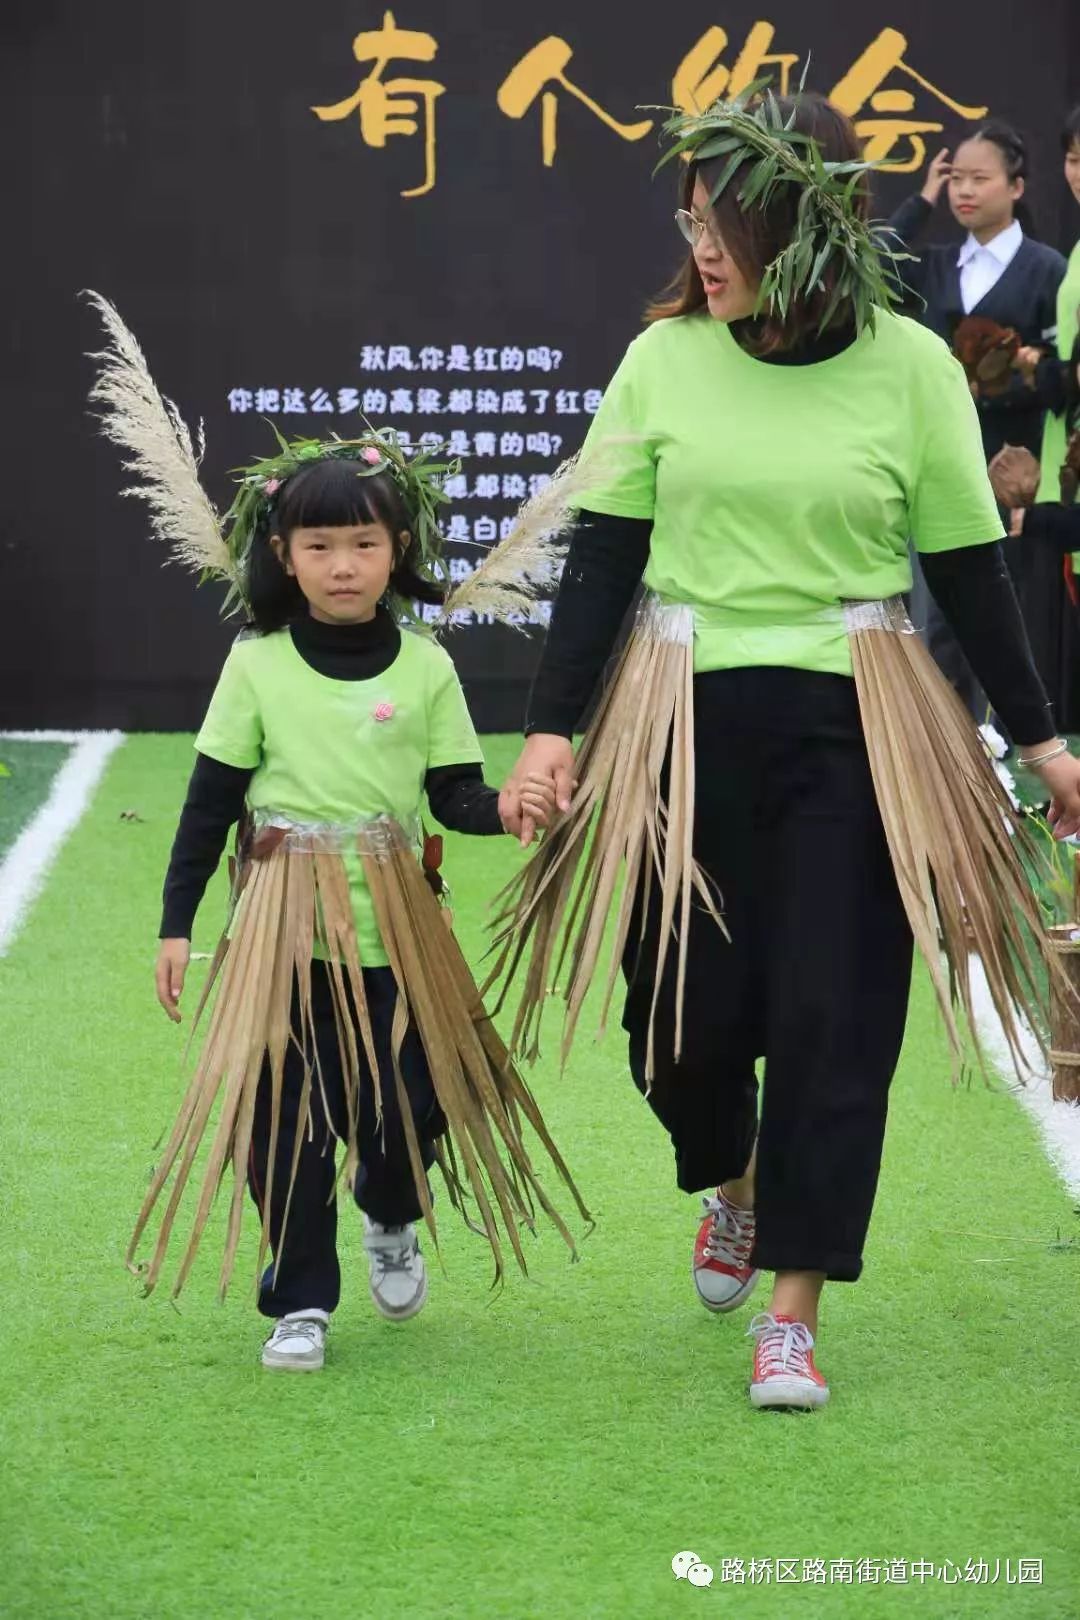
(954,839)
(555,910)
(292,901)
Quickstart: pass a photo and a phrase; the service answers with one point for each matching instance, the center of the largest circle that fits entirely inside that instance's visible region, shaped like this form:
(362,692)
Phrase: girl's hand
(172,963)
(534,798)
(937,176)
(547,763)
(1062,777)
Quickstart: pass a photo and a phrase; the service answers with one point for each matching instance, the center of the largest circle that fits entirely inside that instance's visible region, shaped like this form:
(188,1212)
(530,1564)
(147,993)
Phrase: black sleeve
(461,800)
(605,560)
(974,591)
(903,228)
(1058,526)
(214,803)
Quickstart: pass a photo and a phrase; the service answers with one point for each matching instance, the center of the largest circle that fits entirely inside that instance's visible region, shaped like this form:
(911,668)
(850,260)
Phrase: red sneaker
(723,1275)
(784,1371)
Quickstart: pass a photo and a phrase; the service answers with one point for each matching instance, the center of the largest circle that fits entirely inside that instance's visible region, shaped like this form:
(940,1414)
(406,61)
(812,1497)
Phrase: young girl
(1001,275)
(345,1011)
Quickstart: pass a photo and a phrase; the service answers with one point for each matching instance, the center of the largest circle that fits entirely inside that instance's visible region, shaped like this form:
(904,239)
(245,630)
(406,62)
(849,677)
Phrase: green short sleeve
(951,503)
(232,731)
(452,739)
(618,449)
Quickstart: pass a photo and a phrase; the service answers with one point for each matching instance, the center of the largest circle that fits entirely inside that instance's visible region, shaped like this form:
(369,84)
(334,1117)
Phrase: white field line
(24,868)
(1058,1122)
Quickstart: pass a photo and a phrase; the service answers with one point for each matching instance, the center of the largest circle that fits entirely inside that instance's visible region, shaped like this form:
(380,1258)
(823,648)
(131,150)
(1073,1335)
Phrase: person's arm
(214,804)
(605,561)
(1057,526)
(974,591)
(461,800)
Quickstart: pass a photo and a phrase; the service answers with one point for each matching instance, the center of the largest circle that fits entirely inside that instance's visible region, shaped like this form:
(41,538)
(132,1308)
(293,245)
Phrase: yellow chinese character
(546,64)
(861,83)
(390,107)
(701,78)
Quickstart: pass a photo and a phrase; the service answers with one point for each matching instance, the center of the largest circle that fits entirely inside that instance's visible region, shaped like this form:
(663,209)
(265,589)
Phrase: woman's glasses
(691,227)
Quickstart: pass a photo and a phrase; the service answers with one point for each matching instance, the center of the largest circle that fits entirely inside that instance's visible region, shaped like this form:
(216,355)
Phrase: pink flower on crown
(371,456)
(383,711)
(271,486)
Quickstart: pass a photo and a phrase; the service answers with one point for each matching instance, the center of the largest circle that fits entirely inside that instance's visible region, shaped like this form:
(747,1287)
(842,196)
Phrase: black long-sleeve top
(607,556)
(1024,297)
(458,795)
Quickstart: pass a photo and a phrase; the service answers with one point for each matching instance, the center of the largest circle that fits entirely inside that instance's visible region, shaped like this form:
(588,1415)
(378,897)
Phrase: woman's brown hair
(755,236)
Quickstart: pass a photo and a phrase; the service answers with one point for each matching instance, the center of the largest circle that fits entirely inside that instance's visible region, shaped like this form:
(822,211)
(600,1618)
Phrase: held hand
(534,799)
(1062,777)
(545,765)
(1015,476)
(937,176)
(172,963)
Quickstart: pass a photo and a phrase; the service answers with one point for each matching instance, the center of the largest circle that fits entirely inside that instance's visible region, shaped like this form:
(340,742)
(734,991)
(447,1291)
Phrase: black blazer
(1024,297)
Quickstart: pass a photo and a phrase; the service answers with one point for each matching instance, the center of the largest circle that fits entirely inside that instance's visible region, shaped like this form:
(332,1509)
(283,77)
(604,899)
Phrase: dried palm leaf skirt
(951,830)
(295,895)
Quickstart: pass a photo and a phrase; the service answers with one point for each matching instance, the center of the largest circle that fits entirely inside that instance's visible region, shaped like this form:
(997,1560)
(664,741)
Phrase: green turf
(543,1454)
(31,767)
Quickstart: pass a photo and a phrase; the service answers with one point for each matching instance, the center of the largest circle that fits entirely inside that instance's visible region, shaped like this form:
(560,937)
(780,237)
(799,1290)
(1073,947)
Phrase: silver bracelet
(1056,752)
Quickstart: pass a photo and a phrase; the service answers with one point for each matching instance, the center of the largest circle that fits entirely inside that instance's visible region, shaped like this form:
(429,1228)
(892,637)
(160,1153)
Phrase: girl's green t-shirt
(339,752)
(1068,320)
(777,492)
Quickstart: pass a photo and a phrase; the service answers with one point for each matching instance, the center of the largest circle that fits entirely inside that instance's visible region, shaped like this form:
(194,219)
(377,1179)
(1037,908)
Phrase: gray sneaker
(297,1343)
(397,1274)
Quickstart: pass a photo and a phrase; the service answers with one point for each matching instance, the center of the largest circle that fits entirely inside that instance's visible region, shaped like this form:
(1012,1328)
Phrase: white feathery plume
(526,564)
(160,453)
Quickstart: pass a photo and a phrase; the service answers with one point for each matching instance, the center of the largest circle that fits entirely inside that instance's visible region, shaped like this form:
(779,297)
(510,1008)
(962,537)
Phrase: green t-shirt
(320,751)
(1068,319)
(778,491)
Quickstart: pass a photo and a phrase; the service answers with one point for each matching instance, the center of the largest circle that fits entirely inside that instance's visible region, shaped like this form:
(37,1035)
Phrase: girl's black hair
(1070,133)
(1013,148)
(331,493)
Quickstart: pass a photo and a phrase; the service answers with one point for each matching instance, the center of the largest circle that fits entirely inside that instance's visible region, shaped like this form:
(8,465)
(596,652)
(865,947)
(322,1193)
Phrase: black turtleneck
(606,559)
(458,795)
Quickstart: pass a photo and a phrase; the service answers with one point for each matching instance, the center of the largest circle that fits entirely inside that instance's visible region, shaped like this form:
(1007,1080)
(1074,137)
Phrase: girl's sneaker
(397,1274)
(297,1343)
(723,1275)
(784,1371)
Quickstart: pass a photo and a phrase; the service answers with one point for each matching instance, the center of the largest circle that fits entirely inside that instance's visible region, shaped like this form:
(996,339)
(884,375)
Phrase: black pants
(307,1271)
(815,979)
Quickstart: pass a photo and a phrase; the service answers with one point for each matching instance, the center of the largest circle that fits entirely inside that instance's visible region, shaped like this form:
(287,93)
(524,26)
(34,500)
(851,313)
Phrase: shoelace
(399,1258)
(304,1327)
(783,1346)
(731,1235)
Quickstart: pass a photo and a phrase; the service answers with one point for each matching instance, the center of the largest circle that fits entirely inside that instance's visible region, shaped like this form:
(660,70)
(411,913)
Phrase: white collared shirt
(982,264)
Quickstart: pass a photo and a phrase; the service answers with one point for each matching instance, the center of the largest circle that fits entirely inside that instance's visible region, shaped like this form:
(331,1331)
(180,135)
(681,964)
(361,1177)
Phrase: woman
(761,470)
(998,274)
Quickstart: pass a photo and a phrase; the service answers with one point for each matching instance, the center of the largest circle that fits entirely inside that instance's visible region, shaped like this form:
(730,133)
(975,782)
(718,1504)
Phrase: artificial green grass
(32,767)
(540,1454)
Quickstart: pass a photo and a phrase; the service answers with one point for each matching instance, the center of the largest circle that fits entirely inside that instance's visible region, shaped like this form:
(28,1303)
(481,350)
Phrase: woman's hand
(937,177)
(1062,777)
(545,764)
(172,964)
(1015,476)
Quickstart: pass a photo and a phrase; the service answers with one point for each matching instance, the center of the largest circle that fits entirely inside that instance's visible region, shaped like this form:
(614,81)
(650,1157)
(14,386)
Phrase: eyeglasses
(691,227)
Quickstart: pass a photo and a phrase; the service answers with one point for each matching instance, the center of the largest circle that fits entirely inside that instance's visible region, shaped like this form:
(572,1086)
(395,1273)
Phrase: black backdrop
(170,158)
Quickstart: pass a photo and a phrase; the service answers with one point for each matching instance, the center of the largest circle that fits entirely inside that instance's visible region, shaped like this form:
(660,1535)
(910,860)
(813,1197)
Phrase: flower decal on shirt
(383,711)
